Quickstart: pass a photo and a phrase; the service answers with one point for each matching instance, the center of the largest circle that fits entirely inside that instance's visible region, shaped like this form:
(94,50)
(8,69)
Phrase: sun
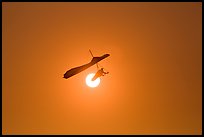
(91,83)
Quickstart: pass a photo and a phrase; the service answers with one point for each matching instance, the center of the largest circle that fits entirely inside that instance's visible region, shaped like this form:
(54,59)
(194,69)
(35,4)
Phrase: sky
(154,81)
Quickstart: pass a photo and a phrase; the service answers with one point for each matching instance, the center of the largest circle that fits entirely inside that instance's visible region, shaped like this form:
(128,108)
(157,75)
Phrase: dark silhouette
(99,73)
(79,69)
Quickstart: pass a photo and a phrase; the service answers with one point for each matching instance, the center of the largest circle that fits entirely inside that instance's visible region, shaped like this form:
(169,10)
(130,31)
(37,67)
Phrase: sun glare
(91,83)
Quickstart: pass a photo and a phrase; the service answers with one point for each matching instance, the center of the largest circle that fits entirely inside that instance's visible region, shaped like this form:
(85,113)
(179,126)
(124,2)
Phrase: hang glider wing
(79,69)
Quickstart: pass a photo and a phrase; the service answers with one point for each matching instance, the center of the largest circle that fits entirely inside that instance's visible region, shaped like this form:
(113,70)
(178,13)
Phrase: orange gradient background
(154,85)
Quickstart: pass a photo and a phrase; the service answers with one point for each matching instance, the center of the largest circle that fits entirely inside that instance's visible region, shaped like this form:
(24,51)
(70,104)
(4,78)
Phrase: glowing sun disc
(91,83)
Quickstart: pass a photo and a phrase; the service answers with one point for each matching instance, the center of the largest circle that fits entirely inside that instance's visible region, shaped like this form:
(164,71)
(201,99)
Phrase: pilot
(101,72)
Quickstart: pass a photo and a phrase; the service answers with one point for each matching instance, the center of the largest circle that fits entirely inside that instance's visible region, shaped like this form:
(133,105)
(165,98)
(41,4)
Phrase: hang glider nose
(79,69)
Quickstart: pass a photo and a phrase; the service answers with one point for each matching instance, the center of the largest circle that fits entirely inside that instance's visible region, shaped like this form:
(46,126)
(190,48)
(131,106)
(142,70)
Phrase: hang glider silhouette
(79,69)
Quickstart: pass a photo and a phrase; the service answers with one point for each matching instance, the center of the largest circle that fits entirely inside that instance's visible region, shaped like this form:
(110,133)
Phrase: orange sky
(154,84)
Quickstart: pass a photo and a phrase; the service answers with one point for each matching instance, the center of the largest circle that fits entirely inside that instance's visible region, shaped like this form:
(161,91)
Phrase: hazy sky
(154,85)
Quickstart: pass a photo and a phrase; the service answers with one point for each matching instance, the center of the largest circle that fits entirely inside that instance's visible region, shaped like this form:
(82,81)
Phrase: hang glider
(79,69)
